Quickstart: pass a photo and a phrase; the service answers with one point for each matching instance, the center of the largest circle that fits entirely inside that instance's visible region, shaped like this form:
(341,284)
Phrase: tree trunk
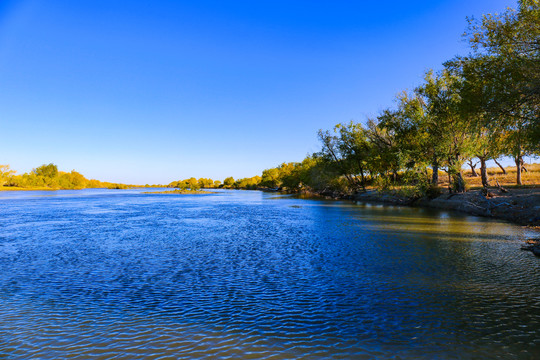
(454,172)
(339,163)
(473,167)
(459,183)
(523,165)
(518,170)
(483,172)
(502,168)
(363,180)
(435,175)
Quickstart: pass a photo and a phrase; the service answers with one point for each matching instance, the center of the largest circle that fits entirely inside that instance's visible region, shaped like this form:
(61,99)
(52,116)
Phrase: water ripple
(243,275)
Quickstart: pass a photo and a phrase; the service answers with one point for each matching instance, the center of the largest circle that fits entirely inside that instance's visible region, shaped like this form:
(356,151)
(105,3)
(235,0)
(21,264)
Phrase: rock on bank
(521,206)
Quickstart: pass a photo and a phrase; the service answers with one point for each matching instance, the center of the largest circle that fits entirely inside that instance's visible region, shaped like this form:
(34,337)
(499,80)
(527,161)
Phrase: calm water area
(100,274)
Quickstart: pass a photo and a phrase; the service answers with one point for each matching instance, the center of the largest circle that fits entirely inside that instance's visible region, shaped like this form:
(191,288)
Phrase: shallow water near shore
(245,274)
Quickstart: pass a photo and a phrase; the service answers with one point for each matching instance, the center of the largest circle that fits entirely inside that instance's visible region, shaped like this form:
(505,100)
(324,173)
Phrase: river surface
(99,274)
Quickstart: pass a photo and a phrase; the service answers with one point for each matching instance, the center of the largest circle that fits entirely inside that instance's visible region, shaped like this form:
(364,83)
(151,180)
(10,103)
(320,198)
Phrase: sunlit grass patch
(530,177)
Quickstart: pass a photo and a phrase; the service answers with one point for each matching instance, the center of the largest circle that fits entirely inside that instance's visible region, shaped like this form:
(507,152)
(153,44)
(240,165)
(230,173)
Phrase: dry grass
(530,178)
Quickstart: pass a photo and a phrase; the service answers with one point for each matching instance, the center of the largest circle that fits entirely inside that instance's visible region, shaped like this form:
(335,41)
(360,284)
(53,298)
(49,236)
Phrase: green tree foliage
(278,177)
(348,151)
(509,43)
(195,184)
(411,146)
(248,183)
(47,171)
(487,134)
(506,57)
(271,178)
(228,182)
(443,95)
(191,184)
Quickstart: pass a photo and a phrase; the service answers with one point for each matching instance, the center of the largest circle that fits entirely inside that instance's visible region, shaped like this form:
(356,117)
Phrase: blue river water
(100,274)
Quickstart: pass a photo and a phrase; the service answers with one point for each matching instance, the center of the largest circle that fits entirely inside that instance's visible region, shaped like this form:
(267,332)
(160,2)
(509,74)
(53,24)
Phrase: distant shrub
(117,186)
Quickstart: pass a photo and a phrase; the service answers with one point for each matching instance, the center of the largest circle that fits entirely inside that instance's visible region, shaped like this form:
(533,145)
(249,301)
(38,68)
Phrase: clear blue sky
(154,91)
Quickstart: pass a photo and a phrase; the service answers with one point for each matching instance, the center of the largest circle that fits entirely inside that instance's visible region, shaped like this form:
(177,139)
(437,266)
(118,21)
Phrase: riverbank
(520,206)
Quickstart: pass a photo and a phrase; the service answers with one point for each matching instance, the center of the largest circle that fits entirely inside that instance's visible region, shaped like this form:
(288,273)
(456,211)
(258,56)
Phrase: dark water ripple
(105,274)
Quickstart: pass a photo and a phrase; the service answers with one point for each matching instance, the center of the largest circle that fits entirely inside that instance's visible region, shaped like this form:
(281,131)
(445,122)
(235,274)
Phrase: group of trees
(501,84)
(48,176)
(313,173)
(251,183)
(480,107)
(194,184)
(229,183)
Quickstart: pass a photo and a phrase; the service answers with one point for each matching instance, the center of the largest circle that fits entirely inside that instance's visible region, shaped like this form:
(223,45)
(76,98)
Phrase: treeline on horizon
(252,183)
(47,176)
(479,107)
